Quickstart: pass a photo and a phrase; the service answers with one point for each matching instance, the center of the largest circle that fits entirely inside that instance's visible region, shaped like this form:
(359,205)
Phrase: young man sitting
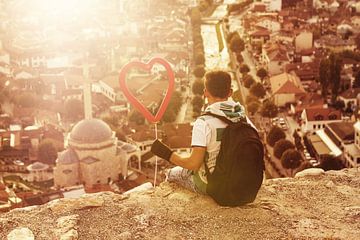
(190,171)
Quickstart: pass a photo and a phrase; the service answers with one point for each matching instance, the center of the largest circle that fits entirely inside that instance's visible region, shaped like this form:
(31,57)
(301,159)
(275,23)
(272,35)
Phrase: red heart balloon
(134,101)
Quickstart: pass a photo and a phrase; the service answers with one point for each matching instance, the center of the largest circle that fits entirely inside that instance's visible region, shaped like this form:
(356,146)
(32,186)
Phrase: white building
(313,119)
(352,151)
(94,156)
(304,41)
(38,172)
(272,5)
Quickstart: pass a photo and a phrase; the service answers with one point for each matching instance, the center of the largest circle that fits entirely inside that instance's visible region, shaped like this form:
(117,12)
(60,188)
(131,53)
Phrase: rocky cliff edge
(320,206)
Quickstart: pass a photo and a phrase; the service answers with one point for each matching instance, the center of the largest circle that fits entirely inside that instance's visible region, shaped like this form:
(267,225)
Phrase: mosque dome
(89,131)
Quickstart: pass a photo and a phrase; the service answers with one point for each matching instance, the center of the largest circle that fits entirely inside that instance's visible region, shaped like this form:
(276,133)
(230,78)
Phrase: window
(332,117)
(358,160)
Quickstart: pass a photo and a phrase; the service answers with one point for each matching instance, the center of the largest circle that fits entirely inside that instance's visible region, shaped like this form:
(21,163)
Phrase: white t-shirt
(207,132)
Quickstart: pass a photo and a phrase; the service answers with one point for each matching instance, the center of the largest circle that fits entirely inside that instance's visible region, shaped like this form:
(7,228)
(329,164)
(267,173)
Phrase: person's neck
(215,100)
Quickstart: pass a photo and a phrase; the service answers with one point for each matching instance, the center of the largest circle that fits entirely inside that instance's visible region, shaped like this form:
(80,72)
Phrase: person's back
(192,171)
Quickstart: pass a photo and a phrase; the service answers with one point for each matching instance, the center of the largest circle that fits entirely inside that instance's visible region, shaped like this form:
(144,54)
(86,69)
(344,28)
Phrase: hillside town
(67,129)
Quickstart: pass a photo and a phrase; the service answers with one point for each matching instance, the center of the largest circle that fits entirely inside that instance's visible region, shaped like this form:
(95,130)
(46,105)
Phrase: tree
(199,71)
(119,133)
(339,104)
(239,58)
(269,109)
(237,44)
(251,98)
(27,100)
(291,159)
(230,36)
(274,135)
(261,73)
(248,81)
(74,109)
(169,115)
(257,90)
(47,152)
(197,102)
(324,76)
(199,59)
(330,162)
(136,117)
(198,87)
(357,80)
(281,146)
(237,96)
(244,69)
(253,107)
(195,16)
(335,72)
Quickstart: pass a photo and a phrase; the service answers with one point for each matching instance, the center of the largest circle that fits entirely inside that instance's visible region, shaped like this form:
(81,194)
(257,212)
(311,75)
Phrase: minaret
(87,90)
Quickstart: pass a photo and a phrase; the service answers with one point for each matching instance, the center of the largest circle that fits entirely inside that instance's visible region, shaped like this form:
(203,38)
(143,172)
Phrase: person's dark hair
(218,83)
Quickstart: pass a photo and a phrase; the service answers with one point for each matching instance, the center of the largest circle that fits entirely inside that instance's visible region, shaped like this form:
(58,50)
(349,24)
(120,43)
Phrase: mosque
(93,154)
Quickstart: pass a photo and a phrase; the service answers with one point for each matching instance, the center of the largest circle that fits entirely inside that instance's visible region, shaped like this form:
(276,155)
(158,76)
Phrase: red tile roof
(288,88)
(322,114)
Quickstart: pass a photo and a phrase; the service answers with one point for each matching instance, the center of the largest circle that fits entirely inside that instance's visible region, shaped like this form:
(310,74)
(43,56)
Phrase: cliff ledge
(324,206)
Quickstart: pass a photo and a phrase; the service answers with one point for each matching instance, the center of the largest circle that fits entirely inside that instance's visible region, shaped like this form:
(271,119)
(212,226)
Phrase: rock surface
(325,206)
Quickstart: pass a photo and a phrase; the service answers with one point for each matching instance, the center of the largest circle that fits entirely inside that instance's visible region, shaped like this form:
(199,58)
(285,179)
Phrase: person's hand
(161,150)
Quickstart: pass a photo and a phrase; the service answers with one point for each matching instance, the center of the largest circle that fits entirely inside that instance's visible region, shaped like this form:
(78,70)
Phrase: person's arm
(193,162)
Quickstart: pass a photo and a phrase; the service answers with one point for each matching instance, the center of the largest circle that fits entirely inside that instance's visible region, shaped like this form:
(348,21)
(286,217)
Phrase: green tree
(335,73)
(199,71)
(253,107)
(274,135)
(230,36)
(237,44)
(251,98)
(197,102)
(119,133)
(169,115)
(357,80)
(248,81)
(330,162)
(195,16)
(27,100)
(281,146)
(198,87)
(199,59)
(257,90)
(244,69)
(239,58)
(291,159)
(237,96)
(74,109)
(324,76)
(47,152)
(136,117)
(269,109)
(262,73)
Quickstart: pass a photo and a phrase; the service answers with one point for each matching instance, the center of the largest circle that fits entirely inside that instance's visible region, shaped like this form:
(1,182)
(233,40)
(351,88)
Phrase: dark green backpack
(239,168)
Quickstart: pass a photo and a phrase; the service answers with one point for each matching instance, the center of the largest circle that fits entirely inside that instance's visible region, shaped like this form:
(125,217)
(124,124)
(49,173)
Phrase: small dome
(91,131)
(37,166)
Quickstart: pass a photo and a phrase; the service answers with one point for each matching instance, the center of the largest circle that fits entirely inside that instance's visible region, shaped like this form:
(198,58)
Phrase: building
(93,156)
(352,151)
(272,5)
(285,88)
(350,97)
(38,172)
(304,41)
(313,119)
